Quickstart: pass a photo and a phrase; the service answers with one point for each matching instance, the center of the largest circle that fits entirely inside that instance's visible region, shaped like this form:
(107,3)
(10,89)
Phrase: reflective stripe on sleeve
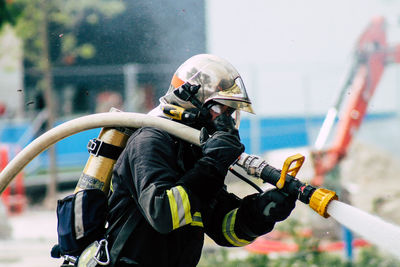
(180,206)
(197,221)
(174,209)
(185,204)
(228,226)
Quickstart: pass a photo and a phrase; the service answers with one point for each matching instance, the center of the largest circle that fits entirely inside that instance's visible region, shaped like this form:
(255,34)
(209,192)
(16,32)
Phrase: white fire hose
(99,120)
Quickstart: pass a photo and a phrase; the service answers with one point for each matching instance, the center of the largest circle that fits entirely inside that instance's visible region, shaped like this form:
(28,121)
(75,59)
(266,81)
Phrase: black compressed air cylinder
(292,185)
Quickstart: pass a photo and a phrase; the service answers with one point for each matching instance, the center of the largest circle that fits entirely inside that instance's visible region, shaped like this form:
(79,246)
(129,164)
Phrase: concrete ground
(33,233)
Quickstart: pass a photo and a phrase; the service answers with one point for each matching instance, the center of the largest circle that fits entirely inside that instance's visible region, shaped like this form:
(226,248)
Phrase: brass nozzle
(320,199)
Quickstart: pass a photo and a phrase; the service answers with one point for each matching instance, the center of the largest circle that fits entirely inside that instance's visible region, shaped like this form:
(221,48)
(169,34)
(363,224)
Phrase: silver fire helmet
(219,81)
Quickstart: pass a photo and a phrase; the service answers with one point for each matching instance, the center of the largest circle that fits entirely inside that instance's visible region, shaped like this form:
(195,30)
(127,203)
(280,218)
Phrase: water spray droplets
(383,234)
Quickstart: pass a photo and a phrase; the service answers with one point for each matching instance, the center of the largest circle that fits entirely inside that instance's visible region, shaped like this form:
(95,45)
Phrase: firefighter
(171,192)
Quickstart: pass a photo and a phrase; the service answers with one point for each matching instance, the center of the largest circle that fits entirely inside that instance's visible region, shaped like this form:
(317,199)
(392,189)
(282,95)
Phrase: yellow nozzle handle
(298,159)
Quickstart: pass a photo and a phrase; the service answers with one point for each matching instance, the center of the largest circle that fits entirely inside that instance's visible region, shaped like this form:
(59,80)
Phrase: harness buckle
(94,146)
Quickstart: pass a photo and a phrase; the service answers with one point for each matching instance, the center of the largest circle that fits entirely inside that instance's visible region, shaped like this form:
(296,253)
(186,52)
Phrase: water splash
(380,233)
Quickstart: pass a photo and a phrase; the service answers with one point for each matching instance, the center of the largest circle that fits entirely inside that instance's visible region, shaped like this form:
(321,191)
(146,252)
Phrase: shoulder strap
(130,224)
(123,235)
(116,223)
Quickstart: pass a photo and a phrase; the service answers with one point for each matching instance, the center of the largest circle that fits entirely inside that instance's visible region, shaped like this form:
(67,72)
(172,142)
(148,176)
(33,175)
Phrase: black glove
(207,176)
(221,149)
(225,123)
(275,205)
(258,213)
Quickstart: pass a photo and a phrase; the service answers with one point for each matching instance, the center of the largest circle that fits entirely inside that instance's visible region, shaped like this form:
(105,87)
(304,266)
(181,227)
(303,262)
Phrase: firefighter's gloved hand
(207,177)
(225,123)
(221,149)
(276,206)
(258,213)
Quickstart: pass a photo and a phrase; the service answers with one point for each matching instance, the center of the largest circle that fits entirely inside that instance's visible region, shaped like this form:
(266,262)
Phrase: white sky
(293,54)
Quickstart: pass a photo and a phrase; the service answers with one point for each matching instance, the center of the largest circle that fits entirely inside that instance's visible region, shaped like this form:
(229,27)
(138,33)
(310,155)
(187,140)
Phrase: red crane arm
(371,55)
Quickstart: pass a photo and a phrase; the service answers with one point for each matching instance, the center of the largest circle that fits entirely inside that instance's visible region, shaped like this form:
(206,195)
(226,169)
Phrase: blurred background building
(136,53)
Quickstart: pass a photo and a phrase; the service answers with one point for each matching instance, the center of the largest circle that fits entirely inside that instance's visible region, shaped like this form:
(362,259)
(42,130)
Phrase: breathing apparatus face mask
(212,115)
(225,118)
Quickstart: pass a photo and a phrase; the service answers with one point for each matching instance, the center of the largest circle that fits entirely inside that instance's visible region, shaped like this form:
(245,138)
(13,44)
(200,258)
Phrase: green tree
(33,19)
(8,12)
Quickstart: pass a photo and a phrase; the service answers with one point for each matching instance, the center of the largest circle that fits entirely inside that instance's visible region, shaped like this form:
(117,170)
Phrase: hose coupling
(252,164)
(320,200)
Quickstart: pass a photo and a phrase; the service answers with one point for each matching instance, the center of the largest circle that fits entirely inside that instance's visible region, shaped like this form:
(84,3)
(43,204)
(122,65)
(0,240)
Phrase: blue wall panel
(274,133)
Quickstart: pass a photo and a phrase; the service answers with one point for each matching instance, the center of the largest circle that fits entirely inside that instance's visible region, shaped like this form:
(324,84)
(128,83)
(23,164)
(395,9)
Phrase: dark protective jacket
(172,220)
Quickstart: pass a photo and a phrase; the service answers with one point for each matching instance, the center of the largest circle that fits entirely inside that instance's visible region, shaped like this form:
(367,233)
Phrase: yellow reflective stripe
(185,204)
(180,206)
(228,226)
(197,221)
(174,209)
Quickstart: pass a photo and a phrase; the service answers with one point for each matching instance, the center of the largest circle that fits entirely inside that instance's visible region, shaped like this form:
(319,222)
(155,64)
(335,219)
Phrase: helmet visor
(234,96)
